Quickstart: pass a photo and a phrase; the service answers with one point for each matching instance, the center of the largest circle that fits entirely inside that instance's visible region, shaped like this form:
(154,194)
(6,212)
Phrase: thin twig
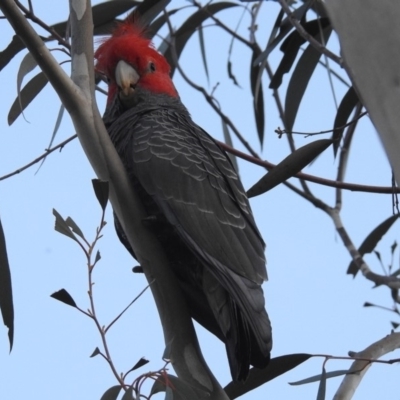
(306,36)
(36,160)
(281,132)
(126,308)
(344,155)
(292,145)
(390,281)
(29,14)
(222,25)
(101,329)
(312,178)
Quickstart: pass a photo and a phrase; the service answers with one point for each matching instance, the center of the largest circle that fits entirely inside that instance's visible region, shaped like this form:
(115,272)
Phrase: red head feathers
(129,44)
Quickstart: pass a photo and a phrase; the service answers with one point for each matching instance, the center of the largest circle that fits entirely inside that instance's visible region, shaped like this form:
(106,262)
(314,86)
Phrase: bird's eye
(152,67)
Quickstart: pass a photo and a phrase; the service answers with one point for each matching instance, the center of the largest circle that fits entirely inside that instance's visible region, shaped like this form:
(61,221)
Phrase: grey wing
(193,182)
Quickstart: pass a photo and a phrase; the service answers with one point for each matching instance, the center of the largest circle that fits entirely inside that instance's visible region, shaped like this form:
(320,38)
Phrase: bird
(192,195)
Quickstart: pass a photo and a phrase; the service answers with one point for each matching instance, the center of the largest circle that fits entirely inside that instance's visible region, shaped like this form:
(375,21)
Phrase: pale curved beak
(126,78)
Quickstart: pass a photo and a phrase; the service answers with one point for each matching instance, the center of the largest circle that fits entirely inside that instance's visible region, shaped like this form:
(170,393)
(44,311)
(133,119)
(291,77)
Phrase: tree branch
(78,98)
(306,36)
(376,350)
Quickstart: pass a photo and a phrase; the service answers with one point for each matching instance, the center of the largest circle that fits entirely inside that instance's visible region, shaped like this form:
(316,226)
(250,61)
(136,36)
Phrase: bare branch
(306,36)
(41,157)
(312,178)
(78,98)
(374,351)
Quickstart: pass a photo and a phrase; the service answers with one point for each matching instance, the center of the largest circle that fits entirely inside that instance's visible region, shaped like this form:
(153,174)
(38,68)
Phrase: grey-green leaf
(98,257)
(183,34)
(177,389)
(63,296)
(370,242)
(139,364)
(300,78)
(285,27)
(317,378)
(101,190)
(257,377)
(28,93)
(346,107)
(128,395)
(111,393)
(203,51)
(322,386)
(291,47)
(290,166)
(27,65)
(62,227)
(258,96)
(55,130)
(6,296)
(95,353)
(75,228)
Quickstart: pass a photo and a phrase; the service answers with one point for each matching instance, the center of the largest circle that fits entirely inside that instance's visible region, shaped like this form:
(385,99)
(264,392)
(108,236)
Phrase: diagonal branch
(374,351)
(77,95)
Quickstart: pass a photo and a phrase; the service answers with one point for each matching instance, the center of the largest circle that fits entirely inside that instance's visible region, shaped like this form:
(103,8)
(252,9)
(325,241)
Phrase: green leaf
(28,93)
(301,77)
(139,364)
(257,377)
(62,226)
(203,51)
(370,242)
(104,15)
(63,296)
(160,21)
(111,393)
(75,228)
(106,11)
(149,9)
(6,296)
(27,65)
(101,190)
(183,34)
(231,75)
(322,386)
(103,19)
(128,395)
(317,378)
(177,389)
(378,255)
(98,257)
(258,96)
(95,353)
(346,107)
(284,27)
(14,47)
(291,47)
(290,166)
(55,130)
(274,40)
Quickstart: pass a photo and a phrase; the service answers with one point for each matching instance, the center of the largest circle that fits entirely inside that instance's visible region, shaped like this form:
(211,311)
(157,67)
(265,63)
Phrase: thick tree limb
(77,95)
(374,351)
(372,63)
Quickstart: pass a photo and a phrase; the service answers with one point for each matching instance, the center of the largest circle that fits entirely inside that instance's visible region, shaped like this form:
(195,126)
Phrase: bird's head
(129,61)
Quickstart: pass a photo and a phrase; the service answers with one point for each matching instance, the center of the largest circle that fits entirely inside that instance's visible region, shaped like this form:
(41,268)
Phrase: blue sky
(313,305)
